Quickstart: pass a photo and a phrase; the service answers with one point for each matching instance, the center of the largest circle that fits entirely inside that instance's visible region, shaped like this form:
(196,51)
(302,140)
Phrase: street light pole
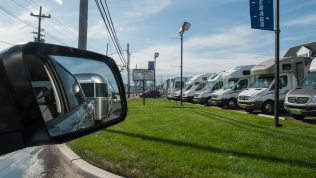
(156,55)
(185,27)
(181,68)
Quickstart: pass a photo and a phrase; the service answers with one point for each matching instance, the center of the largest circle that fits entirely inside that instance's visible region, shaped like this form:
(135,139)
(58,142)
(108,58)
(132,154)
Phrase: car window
(241,84)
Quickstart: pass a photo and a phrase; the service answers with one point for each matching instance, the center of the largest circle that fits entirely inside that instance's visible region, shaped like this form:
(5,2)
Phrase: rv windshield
(263,82)
(178,85)
(230,84)
(310,80)
(165,84)
(209,85)
(194,86)
(171,82)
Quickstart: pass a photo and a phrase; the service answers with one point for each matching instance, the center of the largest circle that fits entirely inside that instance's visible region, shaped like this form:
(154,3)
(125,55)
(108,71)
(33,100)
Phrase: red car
(151,94)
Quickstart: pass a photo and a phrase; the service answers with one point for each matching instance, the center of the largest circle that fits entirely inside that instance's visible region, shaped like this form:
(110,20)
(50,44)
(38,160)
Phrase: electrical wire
(108,30)
(6,42)
(30,24)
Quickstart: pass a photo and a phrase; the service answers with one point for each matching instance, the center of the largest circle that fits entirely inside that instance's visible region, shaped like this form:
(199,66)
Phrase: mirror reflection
(73,93)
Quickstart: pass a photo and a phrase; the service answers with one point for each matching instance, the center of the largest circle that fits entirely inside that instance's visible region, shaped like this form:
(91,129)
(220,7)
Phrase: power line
(28,23)
(65,28)
(6,42)
(109,31)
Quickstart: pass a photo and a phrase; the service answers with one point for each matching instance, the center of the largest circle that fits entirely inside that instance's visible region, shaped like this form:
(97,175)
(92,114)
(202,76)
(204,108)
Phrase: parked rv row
(252,87)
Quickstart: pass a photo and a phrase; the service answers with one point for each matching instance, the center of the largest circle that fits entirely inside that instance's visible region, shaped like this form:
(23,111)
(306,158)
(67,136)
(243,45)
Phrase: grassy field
(163,139)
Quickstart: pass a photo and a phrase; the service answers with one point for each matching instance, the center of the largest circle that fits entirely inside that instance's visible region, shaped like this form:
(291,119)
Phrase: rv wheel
(209,101)
(231,104)
(298,117)
(268,108)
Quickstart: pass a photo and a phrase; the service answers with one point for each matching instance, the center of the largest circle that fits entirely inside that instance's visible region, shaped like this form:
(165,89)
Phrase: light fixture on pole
(155,56)
(185,27)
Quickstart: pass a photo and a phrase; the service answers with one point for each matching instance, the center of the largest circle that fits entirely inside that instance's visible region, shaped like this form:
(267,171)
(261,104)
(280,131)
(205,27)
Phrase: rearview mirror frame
(20,126)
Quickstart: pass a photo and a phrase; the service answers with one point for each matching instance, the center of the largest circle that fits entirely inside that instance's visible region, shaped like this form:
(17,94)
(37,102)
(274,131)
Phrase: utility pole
(181,68)
(128,78)
(83,24)
(40,17)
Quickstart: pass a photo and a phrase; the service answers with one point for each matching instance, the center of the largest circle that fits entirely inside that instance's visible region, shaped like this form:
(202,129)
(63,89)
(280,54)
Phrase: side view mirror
(52,94)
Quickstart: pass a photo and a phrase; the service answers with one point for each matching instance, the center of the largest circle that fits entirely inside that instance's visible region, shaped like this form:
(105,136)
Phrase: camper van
(238,79)
(186,87)
(175,85)
(215,82)
(165,88)
(199,81)
(261,94)
(97,89)
(301,101)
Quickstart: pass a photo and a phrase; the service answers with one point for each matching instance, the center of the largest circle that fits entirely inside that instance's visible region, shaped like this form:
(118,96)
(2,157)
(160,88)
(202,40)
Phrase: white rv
(238,79)
(165,88)
(301,101)
(199,82)
(215,82)
(175,85)
(186,87)
(261,94)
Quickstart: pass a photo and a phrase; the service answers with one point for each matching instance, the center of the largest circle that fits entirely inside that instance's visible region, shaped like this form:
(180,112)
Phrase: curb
(272,117)
(79,165)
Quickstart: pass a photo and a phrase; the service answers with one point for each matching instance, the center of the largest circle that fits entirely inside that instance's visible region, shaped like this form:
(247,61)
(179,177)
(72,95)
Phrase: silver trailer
(98,90)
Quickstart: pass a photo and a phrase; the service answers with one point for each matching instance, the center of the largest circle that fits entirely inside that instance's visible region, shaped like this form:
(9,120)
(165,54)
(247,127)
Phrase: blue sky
(219,37)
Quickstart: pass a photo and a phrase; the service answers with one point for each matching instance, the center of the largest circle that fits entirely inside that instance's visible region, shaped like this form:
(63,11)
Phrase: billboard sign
(143,74)
(151,64)
(261,14)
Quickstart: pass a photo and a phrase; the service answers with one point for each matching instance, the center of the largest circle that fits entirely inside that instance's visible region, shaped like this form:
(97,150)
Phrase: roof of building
(293,50)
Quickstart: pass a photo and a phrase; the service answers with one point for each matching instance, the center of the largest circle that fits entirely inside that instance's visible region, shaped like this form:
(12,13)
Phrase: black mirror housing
(21,122)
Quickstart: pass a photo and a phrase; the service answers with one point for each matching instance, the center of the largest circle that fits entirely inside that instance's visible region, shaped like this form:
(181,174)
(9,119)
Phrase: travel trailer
(215,82)
(97,89)
(175,85)
(199,81)
(165,88)
(261,94)
(301,101)
(238,79)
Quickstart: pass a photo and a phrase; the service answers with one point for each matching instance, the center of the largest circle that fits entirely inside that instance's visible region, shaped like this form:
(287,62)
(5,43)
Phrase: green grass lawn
(163,139)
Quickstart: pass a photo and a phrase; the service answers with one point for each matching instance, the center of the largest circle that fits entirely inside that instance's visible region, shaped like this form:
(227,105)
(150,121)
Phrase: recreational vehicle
(238,79)
(301,101)
(97,89)
(175,85)
(186,87)
(199,81)
(165,88)
(261,94)
(215,82)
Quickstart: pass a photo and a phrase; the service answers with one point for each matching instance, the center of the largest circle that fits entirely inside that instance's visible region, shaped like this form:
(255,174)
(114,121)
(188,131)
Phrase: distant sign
(143,74)
(151,64)
(261,14)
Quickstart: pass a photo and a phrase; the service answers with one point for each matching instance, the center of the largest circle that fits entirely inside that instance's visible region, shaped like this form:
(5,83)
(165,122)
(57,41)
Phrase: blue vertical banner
(151,64)
(261,14)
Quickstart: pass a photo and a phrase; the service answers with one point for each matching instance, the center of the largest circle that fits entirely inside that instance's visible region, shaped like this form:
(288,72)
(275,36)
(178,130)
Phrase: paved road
(33,162)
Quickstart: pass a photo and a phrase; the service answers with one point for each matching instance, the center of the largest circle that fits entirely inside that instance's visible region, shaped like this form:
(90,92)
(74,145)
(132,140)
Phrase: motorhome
(238,79)
(97,89)
(301,101)
(199,81)
(175,85)
(261,94)
(215,82)
(165,88)
(186,87)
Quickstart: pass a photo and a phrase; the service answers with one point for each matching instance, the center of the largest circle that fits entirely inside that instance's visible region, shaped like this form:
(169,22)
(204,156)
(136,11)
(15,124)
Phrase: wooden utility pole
(40,17)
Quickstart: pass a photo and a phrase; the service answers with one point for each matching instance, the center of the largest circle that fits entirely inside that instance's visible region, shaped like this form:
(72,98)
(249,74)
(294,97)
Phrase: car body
(151,93)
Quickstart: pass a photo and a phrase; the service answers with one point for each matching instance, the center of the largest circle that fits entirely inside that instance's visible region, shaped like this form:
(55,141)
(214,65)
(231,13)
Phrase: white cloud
(97,31)
(210,53)
(146,7)
(308,19)
(127,28)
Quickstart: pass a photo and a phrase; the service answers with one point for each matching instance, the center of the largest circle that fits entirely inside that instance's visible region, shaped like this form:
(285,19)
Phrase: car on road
(151,94)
